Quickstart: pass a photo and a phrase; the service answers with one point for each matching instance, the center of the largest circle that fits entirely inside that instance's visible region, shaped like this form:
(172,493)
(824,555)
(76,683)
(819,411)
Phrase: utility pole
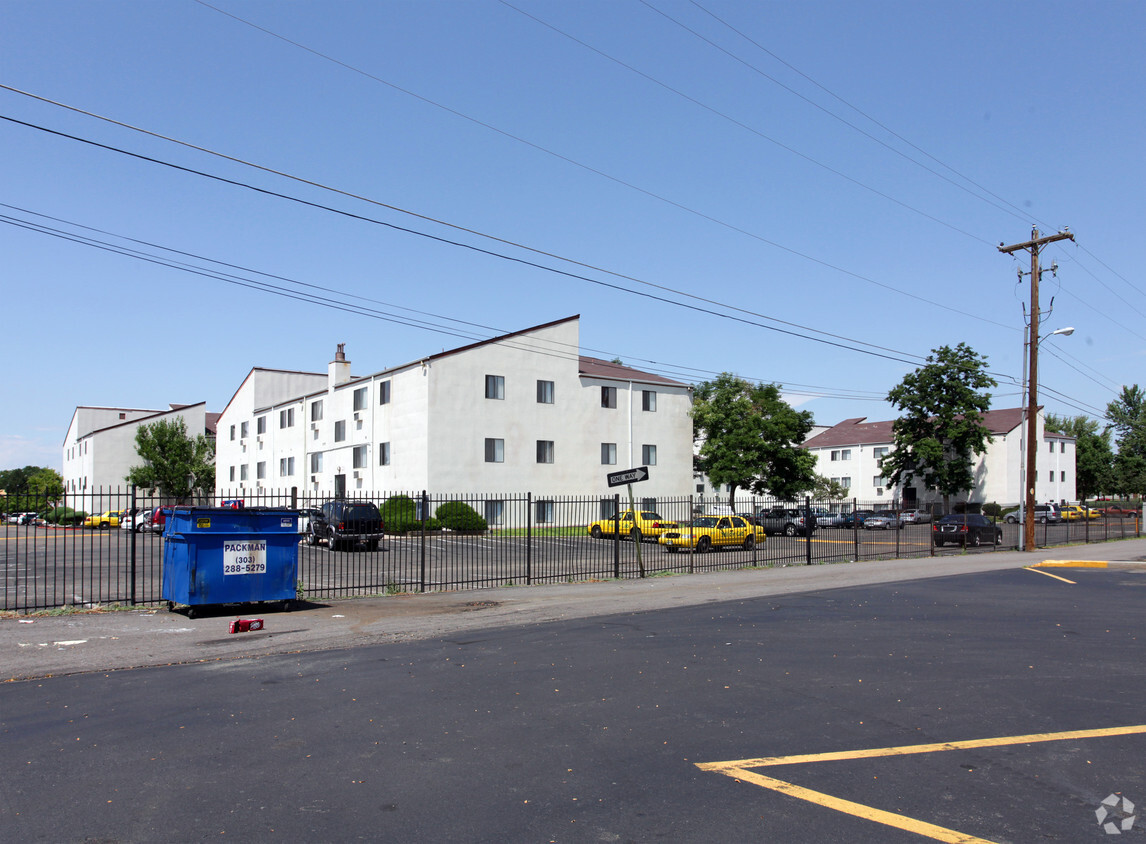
(1034,245)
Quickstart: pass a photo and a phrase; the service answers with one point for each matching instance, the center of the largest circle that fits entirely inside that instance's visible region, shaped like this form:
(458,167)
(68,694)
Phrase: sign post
(628,478)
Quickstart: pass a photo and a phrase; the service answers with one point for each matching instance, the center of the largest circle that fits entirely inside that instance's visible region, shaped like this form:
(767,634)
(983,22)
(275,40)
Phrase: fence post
(616,536)
(422,553)
(131,567)
(855,531)
(809,527)
(692,547)
(529,539)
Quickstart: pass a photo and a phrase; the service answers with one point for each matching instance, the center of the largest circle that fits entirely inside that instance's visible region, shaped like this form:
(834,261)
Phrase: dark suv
(344,524)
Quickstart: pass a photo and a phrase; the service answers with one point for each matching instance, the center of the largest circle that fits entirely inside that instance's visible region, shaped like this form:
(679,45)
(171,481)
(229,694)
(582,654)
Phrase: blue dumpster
(217,555)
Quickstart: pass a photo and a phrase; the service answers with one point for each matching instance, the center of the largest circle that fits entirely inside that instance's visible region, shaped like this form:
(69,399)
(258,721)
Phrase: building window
(261,470)
(543,512)
(1062,448)
(286,467)
(232,474)
(360,457)
(700,488)
(495,386)
(1050,447)
(545,392)
(608,454)
(842,454)
(648,504)
(261,425)
(1051,476)
(384,392)
(649,455)
(244,429)
(608,397)
(384,453)
(286,418)
(879,481)
(649,400)
(243,472)
(232,433)
(316,411)
(360,398)
(1063,478)
(545,451)
(316,462)
(495,512)
(494,450)
(846,483)
(608,510)
(880,451)
(123,416)
(340,431)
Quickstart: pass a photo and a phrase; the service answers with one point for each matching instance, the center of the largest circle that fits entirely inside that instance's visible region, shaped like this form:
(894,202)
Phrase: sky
(808,194)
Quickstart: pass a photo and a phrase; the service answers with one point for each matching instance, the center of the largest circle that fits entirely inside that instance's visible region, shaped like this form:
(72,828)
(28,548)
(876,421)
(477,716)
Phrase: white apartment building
(99,449)
(850,453)
(524,412)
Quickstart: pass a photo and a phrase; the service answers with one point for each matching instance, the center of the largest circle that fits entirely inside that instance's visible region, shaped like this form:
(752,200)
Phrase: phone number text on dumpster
(245,557)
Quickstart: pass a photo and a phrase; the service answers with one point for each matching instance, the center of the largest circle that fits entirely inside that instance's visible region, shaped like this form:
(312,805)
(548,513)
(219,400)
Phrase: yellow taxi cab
(647,523)
(707,532)
(1073,512)
(108,519)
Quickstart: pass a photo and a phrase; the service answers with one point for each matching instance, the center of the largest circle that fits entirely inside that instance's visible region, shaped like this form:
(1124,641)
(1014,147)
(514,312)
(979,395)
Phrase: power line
(871,348)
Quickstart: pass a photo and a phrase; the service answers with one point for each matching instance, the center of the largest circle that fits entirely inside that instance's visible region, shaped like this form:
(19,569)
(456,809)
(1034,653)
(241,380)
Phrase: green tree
(1127,415)
(32,488)
(1094,458)
(825,489)
(941,427)
(173,462)
(750,438)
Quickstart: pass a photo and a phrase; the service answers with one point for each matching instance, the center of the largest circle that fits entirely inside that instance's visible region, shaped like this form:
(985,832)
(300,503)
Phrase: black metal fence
(95,549)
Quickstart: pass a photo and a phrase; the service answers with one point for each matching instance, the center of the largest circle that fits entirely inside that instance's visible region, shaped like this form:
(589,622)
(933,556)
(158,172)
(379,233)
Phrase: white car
(135,520)
(915,517)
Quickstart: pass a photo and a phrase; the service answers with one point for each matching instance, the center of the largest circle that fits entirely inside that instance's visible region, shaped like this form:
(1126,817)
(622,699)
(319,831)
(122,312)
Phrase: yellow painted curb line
(1071,564)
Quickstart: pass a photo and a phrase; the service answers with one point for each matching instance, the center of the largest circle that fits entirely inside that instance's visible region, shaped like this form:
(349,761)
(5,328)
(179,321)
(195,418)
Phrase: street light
(1027,468)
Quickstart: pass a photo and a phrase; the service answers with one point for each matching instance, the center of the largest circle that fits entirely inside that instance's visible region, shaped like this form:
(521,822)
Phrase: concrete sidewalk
(44,646)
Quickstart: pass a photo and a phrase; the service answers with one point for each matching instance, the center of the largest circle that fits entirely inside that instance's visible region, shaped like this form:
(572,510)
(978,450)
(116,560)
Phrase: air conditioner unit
(358,414)
(314,426)
(314,478)
(879,490)
(356,474)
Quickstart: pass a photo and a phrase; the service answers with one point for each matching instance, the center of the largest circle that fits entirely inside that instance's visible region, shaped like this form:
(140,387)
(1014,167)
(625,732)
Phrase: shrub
(65,516)
(457,515)
(400,515)
(992,509)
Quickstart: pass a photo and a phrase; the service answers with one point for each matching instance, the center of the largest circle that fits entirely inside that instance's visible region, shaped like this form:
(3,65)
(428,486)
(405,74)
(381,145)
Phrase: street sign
(629,476)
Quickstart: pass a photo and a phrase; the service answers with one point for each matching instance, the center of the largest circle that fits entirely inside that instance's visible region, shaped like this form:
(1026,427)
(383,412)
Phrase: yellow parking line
(1048,574)
(739,769)
(1072,564)
(858,810)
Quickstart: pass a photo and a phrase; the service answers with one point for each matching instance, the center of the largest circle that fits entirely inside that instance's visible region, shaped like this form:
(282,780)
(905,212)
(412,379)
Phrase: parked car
(133,519)
(966,529)
(856,518)
(21,518)
(647,523)
(707,532)
(1074,512)
(1116,511)
(345,524)
(883,520)
(916,517)
(832,520)
(1044,514)
(156,519)
(103,521)
(305,516)
(786,520)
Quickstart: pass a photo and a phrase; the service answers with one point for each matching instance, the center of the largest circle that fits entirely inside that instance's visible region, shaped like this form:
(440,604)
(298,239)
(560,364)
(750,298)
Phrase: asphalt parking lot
(880,702)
